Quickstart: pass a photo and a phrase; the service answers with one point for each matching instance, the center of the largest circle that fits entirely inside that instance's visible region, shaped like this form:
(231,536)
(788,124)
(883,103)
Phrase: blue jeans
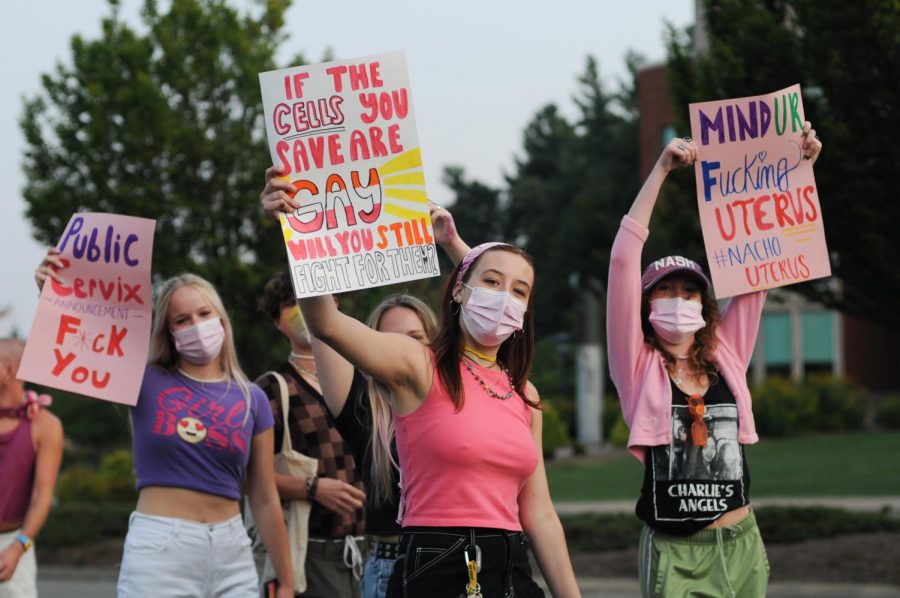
(375,578)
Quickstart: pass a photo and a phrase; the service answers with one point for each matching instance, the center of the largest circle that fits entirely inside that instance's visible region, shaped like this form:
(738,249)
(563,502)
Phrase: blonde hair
(162,346)
(383,461)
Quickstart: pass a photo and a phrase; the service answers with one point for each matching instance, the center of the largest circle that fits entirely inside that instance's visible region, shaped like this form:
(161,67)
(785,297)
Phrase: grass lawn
(853,464)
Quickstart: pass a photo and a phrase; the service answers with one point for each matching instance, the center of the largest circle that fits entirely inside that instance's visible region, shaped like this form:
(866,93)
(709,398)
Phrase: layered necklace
(490,391)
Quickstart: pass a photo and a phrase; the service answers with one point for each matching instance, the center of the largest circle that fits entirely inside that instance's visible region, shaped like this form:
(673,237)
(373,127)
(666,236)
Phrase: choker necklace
(480,355)
(299,356)
(201,380)
(488,389)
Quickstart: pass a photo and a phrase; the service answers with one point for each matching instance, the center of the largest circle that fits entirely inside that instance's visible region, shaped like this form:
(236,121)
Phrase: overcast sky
(479,71)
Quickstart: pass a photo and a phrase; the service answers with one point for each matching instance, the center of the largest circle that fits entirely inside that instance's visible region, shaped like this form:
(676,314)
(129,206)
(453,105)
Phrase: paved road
(63,582)
(60,582)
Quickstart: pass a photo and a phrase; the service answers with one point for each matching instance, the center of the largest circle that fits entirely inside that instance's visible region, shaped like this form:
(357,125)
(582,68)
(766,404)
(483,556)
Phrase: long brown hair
(702,355)
(515,354)
(383,461)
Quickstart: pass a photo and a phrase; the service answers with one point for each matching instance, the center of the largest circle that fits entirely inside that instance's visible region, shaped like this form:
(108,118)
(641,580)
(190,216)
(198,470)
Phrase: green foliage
(117,472)
(164,121)
(823,403)
(794,524)
(846,56)
(618,435)
(888,414)
(554,433)
(113,482)
(100,425)
(84,523)
(80,483)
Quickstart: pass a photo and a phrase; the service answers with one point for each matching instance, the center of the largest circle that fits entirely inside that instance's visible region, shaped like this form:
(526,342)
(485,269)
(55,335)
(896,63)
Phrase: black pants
(432,565)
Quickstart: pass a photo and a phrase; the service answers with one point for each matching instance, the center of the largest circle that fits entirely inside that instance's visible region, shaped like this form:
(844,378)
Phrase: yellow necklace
(480,355)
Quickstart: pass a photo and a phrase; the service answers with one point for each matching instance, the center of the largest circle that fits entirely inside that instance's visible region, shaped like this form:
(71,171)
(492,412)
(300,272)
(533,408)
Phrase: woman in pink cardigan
(680,367)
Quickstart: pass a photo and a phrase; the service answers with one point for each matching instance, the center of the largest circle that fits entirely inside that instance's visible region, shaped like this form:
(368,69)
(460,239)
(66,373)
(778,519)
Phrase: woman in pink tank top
(468,429)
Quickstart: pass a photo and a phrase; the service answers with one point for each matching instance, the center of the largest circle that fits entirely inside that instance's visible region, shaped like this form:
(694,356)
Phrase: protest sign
(759,204)
(345,134)
(91,333)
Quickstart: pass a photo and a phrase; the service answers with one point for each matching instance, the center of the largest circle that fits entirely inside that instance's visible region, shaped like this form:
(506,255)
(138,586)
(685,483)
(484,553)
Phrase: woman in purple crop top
(679,366)
(199,428)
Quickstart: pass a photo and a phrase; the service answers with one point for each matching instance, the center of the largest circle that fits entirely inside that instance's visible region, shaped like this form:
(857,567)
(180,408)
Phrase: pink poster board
(345,132)
(759,204)
(91,334)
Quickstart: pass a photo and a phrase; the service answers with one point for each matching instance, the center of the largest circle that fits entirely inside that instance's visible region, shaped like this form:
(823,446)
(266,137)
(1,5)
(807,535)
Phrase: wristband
(25,541)
(312,484)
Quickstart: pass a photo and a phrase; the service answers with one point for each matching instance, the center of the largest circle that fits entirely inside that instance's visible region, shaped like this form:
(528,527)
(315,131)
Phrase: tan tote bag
(296,514)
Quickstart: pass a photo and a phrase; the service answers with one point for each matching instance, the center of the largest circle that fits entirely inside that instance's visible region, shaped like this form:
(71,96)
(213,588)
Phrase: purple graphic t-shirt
(195,435)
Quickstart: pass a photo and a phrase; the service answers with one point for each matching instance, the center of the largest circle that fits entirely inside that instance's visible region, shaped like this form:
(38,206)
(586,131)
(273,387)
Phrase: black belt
(386,550)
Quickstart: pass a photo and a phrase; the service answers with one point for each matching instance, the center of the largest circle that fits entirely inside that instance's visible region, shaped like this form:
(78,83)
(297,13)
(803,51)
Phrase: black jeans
(432,565)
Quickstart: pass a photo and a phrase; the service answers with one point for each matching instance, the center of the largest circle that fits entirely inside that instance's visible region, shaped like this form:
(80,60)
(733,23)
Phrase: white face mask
(201,343)
(675,319)
(492,316)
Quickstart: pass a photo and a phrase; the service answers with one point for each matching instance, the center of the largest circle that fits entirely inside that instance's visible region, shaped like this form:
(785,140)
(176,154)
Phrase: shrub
(822,403)
(554,430)
(619,434)
(837,403)
(84,523)
(80,484)
(888,414)
(780,408)
(117,472)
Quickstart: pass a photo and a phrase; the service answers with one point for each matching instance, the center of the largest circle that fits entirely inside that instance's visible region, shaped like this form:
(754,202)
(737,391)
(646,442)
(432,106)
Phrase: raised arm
(446,235)
(398,361)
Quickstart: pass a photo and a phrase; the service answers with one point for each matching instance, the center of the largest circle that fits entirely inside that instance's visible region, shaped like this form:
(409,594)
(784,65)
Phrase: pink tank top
(465,469)
(17,458)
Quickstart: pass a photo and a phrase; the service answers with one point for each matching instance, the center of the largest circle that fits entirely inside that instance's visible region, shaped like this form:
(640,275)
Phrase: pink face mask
(492,316)
(200,343)
(675,319)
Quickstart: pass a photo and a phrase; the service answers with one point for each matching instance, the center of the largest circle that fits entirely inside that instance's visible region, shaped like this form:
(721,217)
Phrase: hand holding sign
(759,206)
(348,185)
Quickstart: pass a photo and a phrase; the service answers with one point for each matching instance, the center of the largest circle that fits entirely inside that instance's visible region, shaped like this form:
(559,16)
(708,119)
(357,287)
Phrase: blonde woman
(198,426)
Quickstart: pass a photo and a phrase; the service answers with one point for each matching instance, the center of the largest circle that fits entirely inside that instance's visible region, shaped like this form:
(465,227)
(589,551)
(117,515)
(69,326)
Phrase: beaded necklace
(491,392)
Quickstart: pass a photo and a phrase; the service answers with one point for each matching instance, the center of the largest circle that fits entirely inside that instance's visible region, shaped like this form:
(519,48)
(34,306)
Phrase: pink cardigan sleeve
(739,326)
(624,336)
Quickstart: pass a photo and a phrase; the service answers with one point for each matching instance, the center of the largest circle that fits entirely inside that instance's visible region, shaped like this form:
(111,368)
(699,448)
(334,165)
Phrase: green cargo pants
(727,561)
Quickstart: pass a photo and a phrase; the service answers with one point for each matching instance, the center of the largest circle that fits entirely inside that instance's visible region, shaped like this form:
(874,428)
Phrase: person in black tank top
(700,535)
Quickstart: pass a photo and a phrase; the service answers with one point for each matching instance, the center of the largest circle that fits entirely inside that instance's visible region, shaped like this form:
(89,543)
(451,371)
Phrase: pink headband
(473,255)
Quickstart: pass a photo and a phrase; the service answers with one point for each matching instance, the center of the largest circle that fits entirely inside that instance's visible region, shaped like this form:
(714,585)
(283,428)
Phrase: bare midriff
(186,504)
(730,518)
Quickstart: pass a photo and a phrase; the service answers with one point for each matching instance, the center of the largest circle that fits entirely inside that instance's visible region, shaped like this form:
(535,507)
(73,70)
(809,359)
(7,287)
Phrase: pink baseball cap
(659,269)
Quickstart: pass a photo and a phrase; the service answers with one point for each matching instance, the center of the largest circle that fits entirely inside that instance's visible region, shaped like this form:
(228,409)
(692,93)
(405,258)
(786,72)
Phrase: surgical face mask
(492,316)
(294,326)
(200,343)
(675,319)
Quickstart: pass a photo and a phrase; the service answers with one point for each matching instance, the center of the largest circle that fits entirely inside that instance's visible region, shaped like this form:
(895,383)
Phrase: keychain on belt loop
(473,588)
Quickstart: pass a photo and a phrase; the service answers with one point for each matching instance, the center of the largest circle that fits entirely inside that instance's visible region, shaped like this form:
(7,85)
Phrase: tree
(846,56)
(167,124)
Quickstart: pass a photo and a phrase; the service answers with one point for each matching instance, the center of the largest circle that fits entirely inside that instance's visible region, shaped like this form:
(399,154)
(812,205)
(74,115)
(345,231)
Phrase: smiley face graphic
(191,430)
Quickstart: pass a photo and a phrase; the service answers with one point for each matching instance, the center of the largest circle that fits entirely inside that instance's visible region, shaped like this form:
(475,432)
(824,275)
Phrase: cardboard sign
(759,205)
(346,135)
(91,334)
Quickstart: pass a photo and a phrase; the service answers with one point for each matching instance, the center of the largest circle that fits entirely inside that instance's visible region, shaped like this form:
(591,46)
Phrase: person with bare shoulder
(31,444)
